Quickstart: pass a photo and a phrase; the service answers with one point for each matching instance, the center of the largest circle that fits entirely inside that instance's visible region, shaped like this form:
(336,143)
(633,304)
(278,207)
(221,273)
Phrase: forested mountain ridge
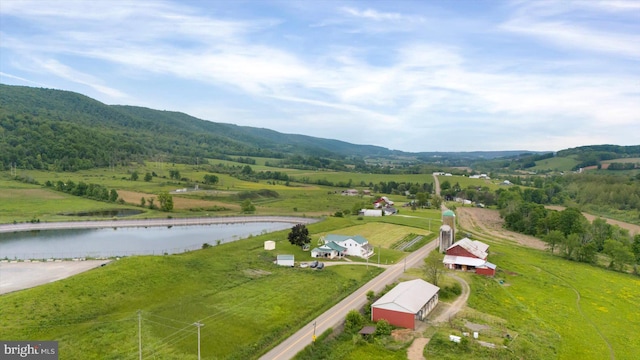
(62,130)
(66,131)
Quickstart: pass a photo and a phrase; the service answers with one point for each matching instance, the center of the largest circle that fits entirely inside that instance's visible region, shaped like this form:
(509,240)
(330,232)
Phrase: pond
(110,242)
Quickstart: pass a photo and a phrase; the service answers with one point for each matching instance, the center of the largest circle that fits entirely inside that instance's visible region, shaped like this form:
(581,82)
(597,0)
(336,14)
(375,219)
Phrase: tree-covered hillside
(61,130)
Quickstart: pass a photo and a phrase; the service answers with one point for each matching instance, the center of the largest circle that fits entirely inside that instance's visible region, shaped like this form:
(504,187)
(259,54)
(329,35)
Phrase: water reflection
(44,244)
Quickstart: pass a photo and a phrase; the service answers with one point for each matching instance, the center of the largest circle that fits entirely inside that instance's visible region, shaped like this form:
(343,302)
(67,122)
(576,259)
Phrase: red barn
(407,302)
(469,255)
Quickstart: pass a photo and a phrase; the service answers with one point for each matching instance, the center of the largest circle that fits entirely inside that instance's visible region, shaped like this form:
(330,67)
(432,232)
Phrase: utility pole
(140,334)
(198,325)
(379,247)
(314,332)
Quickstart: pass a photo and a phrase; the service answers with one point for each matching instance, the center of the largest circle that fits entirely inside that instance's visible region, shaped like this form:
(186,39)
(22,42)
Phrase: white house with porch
(353,245)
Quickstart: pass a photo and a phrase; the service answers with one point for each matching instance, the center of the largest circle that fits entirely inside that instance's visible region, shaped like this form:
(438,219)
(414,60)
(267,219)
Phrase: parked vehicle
(320,266)
(314,264)
(304,265)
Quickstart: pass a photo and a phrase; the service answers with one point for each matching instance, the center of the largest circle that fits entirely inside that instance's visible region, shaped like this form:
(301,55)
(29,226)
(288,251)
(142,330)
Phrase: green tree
(134,176)
(353,322)
(569,245)
(436,201)
(383,328)
(151,204)
(553,239)
(433,267)
(210,179)
(113,195)
(148,177)
(247,206)
(166,201)
(143,201)
(619,253)
(299,235)
(635,247)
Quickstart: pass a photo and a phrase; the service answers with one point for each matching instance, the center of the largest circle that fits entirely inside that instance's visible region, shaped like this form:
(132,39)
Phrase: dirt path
(487,221)
(458,304)
(633,228)
(416,350)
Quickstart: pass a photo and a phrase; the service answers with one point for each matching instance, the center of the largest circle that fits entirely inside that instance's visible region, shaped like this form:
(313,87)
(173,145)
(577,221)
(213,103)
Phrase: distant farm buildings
(406,303)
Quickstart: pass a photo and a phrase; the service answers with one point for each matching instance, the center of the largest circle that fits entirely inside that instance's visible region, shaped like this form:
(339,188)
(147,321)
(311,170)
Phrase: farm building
(469,255)
(354,245)
(285,260)
(446,237)
(407,302)
(370,212)
(330,250)
(269,245)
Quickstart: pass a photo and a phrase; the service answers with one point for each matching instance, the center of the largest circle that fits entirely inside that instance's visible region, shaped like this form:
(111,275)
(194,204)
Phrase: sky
(456,75)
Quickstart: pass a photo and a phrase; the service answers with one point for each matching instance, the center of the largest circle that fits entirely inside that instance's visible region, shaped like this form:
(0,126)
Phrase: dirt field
(488,221)
(633,228)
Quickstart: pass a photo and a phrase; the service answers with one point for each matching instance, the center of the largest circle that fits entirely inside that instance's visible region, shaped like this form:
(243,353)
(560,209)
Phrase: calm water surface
(109,242)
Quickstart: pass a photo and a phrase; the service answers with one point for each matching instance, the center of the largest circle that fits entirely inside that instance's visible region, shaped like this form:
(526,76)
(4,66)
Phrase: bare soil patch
(488,221)
(24,275)
(416,350)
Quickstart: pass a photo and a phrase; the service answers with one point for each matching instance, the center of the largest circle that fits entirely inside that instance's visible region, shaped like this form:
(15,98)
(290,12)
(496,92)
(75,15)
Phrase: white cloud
(372,14)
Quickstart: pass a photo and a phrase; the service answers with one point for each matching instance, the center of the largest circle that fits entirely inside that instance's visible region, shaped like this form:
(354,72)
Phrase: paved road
(334,316)
(150,222)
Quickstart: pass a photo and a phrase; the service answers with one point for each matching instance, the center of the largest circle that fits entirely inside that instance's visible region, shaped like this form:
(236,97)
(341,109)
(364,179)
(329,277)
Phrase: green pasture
(25,202)
(552,309)
(560,309)
(556,164)
(247,303)
(465,182)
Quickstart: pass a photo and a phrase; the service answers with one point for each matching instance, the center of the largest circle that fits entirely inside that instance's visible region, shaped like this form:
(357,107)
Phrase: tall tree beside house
(299,235)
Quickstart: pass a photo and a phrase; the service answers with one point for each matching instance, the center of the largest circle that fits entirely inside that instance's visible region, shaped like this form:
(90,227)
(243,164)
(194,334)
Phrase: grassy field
(555,164)
(552,309)
(465,182)
(245,301)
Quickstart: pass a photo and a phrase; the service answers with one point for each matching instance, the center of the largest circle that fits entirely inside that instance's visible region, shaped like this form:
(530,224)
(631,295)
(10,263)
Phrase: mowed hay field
(179,203)
(381,234)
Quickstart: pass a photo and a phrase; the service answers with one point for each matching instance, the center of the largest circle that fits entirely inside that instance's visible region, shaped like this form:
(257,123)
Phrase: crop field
(245,301)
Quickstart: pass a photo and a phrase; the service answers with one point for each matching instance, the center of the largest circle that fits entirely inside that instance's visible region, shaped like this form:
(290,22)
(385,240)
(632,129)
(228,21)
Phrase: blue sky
(455,75)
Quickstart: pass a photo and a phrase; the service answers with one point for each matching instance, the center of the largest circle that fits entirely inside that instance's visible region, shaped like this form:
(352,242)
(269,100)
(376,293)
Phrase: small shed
(285,260)
(269,245)
(407,302)
(486,269)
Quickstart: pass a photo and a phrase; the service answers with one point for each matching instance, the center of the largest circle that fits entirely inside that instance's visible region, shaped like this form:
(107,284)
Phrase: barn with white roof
(407,302)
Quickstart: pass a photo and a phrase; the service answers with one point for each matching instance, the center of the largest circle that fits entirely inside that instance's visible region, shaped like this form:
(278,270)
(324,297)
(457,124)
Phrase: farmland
(93,315)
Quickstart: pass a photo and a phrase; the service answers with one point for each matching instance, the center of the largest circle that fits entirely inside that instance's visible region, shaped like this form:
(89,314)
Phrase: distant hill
(66,131)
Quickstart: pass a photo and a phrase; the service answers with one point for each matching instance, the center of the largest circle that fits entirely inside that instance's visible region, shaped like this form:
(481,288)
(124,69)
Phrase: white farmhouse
(354,245)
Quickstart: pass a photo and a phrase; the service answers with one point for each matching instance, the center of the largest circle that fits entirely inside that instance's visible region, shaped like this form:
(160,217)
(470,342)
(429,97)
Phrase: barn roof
(477,248)
(407,297)
(285,257)
(340,238)
(463,260)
